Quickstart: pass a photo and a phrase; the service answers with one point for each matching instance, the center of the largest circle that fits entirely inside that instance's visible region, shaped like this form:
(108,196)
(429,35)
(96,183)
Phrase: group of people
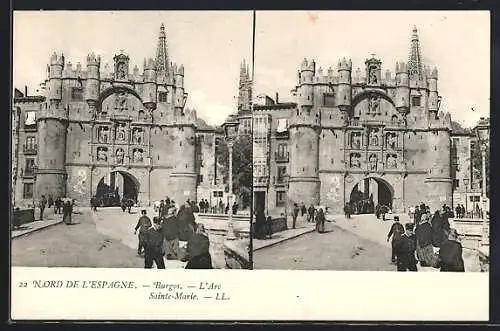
(312,215)
(61,206)
(203,206)
(161,237)
(429,240)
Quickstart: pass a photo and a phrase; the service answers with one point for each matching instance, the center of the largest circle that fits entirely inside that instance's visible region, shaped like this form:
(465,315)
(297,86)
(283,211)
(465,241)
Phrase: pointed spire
(243,72)
(415,57)
(161,53)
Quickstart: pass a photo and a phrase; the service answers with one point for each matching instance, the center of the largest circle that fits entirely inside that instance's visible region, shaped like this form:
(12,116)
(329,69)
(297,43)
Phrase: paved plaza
(97,239)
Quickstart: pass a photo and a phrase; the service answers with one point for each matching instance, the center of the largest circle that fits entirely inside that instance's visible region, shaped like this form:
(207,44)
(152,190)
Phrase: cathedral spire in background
(415,59)
(161,53)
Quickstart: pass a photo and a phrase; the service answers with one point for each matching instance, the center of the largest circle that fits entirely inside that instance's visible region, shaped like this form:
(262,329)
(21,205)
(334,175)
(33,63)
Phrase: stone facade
(363,128)
(93,121)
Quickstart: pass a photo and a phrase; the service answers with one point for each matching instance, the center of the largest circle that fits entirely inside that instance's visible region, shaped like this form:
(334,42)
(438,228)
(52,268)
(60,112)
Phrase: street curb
(285,239)
(36,230)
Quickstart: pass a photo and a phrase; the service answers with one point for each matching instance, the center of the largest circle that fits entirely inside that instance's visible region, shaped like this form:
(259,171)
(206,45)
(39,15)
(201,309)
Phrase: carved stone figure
(374,137)
(120,133)
(119,155)
(101,154)
(373,104)
(355,140)
(122,74)
(103,134)
(138,135)
(373,162)
(391,140)
(391,161)
(121,101)
(373,76)
(138,156)
(355,161)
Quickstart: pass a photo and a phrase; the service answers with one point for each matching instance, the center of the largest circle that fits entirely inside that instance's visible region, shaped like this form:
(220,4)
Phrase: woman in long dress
(67,211)
(320,221)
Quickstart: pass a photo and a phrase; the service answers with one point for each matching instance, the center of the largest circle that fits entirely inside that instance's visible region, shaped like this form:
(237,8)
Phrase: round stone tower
(149,87)
(304,181)
(344,88)
(92,86)
(402,100)
(52,126)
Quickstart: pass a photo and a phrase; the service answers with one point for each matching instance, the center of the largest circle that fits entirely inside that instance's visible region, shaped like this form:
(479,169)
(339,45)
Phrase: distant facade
(111,131)
(356,133)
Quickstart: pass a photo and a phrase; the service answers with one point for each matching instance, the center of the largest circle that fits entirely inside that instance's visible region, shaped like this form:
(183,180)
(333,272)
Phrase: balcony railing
(28,172)
(281,157)
(30,149)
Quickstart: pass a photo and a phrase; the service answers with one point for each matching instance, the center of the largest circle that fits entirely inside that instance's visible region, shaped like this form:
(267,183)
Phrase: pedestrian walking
(295,214)
(310,213)
(50,201)
(58,205)
(67,209)
(437,229)
(260,224)
(423,233)
(405,250)
(170,230)
(450,254)
(269,227)
(153,246)
(143,224)
(186,222)
(41,205)
(123,204)
(320,221)
(198,250)
(395,232)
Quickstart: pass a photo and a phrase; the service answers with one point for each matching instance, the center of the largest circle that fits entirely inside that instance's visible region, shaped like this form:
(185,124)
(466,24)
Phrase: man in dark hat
(170,230)
(143,225)
(405,250)
(396,231)
(153,246)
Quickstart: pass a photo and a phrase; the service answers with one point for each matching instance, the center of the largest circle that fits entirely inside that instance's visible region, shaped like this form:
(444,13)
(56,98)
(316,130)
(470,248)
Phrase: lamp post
(466,183)
(230,131)
(482,132)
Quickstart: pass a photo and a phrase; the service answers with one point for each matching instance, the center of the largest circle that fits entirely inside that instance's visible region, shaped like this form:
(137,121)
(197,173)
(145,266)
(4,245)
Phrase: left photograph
(131,139)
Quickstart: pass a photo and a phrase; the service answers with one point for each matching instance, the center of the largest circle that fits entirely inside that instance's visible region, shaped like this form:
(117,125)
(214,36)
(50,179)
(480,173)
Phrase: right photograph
(371,141)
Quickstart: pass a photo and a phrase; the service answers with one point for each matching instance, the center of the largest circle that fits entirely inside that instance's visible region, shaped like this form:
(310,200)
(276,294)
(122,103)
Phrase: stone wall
(236,255)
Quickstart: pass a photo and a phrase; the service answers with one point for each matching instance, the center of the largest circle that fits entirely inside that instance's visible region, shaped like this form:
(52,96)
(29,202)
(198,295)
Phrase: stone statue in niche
(372,76)
(373,105)
(374,137)
(391,161)
(120,132)
(373,161)
(119,155)
(138,155)
(355,140)
(102,154)
(391,140)
(103,134)
(121,101)
(138,135)
(122,73)
(355,161)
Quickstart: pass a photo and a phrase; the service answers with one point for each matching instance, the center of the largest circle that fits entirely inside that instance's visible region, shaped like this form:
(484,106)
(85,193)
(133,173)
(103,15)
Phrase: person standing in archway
(143,225)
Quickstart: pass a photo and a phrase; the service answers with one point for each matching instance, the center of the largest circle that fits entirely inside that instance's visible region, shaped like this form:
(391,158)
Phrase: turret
(92,87)
(149,87)
(402,88)
(55,78)
(344,85)
(432,101)
(305,90)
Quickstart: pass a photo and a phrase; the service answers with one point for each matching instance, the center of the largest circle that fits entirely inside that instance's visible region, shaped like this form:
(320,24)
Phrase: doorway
(259,201)
(117,185)
(370,192)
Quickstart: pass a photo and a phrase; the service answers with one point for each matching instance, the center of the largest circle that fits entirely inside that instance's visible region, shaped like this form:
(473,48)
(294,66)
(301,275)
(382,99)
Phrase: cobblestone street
(98,239)
(337,249)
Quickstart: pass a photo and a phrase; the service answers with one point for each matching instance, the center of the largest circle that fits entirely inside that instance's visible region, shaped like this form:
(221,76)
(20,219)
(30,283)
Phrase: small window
(415,101)
(280,199)
(456,183)
(162,96)
(28,190)
(77,93)
(29,168)
(328,100)
(31,142)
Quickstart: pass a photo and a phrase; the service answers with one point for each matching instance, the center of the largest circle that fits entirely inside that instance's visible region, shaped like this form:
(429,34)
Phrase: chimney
(25,90)
(277,98)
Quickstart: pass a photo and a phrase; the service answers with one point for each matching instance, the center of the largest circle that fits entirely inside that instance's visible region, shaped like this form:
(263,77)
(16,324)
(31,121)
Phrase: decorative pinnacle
(162,31)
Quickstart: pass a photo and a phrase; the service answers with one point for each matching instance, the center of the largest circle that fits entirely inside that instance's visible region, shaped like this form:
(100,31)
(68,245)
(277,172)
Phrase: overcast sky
(211,45)
(458,43)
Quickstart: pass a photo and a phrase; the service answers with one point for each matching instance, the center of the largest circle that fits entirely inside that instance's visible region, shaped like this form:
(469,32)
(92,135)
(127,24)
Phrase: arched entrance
(115,186)
(370,192)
